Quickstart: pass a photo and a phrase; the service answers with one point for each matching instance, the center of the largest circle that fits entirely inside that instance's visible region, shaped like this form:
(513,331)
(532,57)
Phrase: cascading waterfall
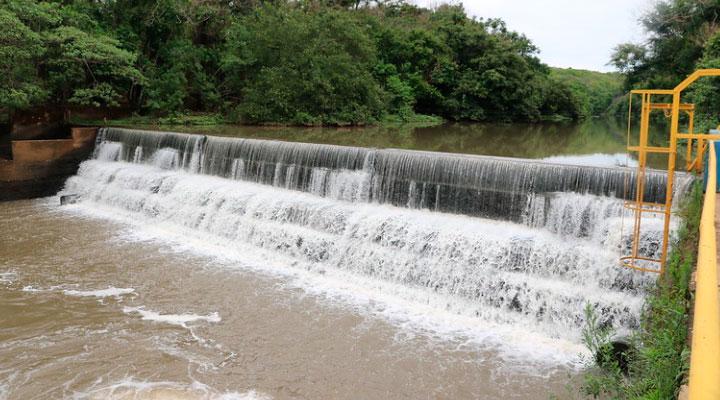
(547,242)
(491,187)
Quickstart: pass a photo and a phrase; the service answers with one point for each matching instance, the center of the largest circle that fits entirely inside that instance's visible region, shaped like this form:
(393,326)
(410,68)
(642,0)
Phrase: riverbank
(209,119)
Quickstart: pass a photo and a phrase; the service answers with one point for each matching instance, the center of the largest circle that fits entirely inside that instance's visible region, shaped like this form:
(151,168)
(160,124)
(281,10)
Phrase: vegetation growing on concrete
(658,359)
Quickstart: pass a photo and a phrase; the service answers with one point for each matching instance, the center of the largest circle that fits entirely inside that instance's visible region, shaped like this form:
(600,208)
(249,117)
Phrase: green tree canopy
(20,49)
(306,62)
(289,65)
(57,53)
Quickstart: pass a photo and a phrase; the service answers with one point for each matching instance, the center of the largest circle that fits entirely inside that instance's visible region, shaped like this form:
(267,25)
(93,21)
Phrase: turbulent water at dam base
(194,266)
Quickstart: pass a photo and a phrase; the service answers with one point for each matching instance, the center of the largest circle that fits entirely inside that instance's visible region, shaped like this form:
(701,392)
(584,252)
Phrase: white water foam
(131,388)
(415,311)
(595,160)
(8,277)
(493,281)
(166,159)
(173,319)
(33,289)
(108,151)
(101,293)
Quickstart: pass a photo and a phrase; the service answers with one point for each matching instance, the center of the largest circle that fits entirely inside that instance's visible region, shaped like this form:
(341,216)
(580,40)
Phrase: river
(202,267)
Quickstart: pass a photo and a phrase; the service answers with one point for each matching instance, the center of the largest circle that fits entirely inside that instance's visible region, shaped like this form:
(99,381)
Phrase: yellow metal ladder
(696,144)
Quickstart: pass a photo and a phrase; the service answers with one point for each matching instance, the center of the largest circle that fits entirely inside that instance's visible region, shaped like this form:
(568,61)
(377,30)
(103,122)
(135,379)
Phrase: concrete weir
(491,187)
(39,167)
(507,241)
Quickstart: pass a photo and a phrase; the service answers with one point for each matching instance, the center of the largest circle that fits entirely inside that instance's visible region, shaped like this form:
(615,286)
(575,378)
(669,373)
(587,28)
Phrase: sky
(569,33)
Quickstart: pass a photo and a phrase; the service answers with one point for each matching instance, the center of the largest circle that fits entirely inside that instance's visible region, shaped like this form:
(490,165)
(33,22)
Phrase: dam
(216,252)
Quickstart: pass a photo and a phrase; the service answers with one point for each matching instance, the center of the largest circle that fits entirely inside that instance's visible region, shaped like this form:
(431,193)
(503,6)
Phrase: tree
(682,38)
(307,62)
(54,52)
(20,49)
(87,69)
(628,57)
(306,67)
(677,33)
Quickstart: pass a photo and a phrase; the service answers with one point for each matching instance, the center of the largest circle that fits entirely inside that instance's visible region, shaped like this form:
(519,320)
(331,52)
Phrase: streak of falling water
(472,185)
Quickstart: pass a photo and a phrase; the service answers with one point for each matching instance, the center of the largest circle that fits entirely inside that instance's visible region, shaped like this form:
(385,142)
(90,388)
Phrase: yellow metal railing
(705,356)
(695,141)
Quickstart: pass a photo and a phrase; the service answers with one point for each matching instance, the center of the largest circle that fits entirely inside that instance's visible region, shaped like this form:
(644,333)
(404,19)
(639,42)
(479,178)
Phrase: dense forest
(683,35)
(333,62)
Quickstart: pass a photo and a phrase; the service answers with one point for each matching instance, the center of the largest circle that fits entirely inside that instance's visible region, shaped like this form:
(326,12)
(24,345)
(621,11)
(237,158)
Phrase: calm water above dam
(196,266)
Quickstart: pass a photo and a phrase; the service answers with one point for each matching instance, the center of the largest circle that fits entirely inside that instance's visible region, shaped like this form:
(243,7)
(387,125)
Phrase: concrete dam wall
(39,167)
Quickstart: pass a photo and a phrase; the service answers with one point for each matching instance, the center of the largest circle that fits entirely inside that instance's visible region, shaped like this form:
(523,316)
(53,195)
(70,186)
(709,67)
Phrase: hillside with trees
(306,62)
(593,91)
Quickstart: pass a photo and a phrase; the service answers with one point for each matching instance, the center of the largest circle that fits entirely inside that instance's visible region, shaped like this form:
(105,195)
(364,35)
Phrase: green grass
(175,119)
(217,119)
(413,119)
(659,362)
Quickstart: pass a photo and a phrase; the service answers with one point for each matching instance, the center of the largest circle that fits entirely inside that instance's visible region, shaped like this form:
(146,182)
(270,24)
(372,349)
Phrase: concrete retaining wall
(33,151)
(40,167)
(83,136)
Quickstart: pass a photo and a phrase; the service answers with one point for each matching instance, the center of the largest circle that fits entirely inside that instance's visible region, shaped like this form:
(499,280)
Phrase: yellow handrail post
(691,127)
(705,356)
(672,155)
(701,155)
(642,158)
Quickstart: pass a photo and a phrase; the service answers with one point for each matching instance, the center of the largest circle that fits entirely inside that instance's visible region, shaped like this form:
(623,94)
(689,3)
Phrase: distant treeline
(295,62)
(683,35)
(592,91)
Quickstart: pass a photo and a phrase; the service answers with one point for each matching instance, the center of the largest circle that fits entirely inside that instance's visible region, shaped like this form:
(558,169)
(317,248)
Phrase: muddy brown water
(91,309)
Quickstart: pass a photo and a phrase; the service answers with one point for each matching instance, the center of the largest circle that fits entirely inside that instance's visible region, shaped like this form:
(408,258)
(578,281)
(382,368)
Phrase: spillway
(516,242)
(474,185)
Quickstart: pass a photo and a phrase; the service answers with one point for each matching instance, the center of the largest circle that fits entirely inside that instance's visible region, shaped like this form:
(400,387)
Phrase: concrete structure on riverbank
(39,167)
